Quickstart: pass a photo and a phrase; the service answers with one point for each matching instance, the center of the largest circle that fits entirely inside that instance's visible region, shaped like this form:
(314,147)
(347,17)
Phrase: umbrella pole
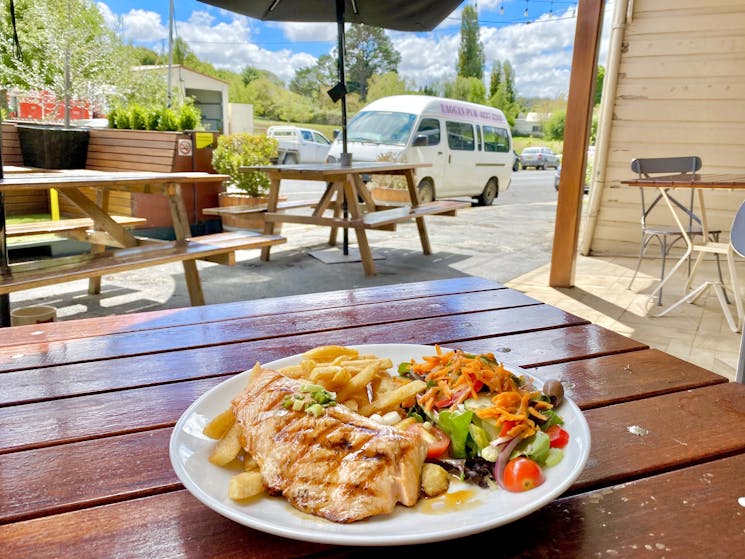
(4,263)
(346,158)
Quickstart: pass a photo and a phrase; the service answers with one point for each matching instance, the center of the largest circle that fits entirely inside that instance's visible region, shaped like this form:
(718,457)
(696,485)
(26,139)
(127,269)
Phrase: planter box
(253,221)
(130,150)
(53,147)
(397,195)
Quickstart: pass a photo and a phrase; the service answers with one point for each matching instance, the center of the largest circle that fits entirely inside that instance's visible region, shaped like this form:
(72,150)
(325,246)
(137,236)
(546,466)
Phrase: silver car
(539,157)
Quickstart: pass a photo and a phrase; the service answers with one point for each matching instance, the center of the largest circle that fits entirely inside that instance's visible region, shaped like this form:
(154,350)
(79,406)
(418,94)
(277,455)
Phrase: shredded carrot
(455,376)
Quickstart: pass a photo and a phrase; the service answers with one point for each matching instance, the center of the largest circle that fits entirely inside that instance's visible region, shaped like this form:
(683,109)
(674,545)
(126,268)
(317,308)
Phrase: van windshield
(381,127)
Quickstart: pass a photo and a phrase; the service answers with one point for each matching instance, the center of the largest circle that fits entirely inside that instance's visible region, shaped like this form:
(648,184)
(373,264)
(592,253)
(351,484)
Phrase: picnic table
(105,231)
(347,203)
(88,408)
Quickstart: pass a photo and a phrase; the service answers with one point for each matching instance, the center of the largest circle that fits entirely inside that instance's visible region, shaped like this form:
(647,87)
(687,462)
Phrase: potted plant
(249,189)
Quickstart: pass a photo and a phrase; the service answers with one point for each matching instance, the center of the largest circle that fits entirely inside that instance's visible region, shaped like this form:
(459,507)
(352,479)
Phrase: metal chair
(737,242)
(667,235)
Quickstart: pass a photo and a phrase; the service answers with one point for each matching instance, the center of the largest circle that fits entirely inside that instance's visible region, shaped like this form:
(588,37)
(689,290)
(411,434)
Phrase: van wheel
(489,194)
(426,191)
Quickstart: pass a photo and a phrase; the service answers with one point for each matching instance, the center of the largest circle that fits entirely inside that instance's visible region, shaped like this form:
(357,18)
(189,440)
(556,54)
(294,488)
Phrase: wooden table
(108,232)
(700,182)
(88,406)
(345,185)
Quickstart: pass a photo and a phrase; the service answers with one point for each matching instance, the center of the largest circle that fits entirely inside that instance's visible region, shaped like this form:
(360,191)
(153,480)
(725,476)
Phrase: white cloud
(540,52)
(307,31)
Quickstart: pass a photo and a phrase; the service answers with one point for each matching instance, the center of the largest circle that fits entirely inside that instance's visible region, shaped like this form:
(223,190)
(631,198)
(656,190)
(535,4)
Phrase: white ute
(299,145)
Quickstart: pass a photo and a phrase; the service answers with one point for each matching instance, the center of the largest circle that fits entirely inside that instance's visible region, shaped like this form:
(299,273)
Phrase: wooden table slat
(57,331)
(685,513)
(43,354)
(137,464)
(54,381)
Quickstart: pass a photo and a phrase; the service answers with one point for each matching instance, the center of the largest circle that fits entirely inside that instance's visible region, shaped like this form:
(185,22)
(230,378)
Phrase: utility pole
(170,49)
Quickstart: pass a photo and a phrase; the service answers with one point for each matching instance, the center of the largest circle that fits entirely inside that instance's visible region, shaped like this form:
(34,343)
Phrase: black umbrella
(401,15)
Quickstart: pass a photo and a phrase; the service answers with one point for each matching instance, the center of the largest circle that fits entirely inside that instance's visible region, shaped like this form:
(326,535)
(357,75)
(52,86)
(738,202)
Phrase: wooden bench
(74,228)
(398,214)
(241,210)
(219,248)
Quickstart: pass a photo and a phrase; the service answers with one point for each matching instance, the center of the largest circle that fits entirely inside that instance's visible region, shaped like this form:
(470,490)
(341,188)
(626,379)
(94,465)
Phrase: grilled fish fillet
(341,465)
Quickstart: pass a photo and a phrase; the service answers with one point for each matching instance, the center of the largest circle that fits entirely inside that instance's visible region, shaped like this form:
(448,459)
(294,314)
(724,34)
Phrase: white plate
(483,508)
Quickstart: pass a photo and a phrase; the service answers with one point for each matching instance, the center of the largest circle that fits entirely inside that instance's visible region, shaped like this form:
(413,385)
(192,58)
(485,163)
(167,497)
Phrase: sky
(536,36)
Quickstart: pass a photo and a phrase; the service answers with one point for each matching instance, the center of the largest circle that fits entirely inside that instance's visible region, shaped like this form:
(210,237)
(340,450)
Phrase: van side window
(460,136)
(495,139)
(429,127)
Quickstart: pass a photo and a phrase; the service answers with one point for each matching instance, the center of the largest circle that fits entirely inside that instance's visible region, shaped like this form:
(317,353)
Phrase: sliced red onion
(504,456)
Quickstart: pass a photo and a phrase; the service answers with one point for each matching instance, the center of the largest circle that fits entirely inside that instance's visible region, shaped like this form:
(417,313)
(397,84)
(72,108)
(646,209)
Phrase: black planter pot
(53,147)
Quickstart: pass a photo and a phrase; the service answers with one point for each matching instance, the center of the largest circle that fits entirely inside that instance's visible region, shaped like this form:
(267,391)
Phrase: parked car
(299,145)
(539,157)
(557,175)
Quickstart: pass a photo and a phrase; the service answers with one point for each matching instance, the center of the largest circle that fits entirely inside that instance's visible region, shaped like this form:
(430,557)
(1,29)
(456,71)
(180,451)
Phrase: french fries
(220,424)
(228,447)
(245,485)
(361,382)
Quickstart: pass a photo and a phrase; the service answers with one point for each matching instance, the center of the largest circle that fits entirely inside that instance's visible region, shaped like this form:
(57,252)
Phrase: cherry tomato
(559,437)
(521,474)
(506,426)
(437,440)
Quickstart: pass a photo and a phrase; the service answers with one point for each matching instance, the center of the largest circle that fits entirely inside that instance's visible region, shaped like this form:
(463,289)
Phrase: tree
(249,74)
(599,78)
(314,81)
(385,85)
(369,51)
(495,79)
(508,78)
(503,95)
(471,53)
(553,128)
(67,49)
(466,89)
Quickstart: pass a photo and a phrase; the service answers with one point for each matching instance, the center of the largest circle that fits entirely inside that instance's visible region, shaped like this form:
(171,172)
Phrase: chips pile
(361,382)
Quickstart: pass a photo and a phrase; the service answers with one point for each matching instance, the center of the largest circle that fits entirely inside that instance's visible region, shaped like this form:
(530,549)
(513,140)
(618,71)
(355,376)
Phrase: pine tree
(471,53)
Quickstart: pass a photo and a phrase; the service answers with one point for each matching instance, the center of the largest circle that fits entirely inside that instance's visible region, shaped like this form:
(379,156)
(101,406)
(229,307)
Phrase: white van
(469,146)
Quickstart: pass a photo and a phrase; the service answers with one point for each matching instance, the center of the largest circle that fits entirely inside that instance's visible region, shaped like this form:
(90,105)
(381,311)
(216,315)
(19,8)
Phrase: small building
(530,124)
(210,94)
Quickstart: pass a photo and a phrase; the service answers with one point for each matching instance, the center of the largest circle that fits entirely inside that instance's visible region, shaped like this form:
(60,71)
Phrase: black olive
(554,390)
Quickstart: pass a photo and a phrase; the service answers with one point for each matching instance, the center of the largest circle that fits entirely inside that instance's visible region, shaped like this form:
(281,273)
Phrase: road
(502,241)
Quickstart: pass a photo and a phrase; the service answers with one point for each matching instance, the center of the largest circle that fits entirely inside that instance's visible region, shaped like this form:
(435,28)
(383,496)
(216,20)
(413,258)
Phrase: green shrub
(236,150)
(189,116)
(152,116)
(167,119)
(121,118)
(137,117)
